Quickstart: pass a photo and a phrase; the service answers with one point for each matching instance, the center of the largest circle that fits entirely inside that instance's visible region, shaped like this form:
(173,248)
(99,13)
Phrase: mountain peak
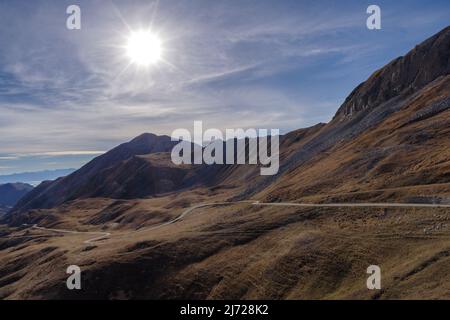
(149,143)
(146,136)
(403,75)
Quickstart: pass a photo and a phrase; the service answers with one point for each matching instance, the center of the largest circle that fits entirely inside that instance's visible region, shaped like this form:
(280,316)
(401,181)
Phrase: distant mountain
(10,193)
(107,175)
(36,177)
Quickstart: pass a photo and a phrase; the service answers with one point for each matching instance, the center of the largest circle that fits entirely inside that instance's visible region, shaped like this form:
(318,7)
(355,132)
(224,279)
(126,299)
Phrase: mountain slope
(410,149)
(402,99)
(401,77)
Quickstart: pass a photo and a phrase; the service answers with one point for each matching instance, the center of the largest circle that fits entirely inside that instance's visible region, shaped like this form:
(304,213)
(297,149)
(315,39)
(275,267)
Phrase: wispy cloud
(59,154)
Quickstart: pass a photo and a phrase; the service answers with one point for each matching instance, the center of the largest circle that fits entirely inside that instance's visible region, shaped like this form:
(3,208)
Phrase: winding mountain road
(104,235)
(354,205)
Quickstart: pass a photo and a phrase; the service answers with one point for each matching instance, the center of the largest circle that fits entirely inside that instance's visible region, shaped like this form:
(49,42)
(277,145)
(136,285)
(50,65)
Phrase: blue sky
(68,95)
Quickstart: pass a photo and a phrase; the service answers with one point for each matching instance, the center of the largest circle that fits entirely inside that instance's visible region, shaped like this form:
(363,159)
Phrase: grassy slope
(397,153)
(243,251)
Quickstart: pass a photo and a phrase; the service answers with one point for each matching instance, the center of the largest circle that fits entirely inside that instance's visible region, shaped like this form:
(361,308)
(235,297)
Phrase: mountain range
(400,102)
(35,177)
(388,142)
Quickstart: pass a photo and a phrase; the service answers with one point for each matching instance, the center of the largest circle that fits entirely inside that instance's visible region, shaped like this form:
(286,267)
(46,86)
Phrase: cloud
(61,153)
(6,167)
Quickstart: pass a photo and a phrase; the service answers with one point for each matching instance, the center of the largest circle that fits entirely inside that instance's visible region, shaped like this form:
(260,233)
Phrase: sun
(144,48)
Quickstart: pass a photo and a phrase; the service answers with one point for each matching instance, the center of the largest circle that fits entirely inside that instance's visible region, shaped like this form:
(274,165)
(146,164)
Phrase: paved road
(185,213)
(104,235)
(355,205)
